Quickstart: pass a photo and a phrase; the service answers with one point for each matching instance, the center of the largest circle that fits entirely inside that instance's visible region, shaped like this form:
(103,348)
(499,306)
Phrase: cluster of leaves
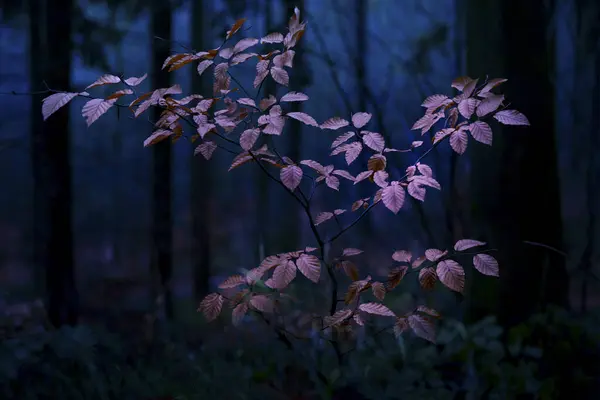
(244,125)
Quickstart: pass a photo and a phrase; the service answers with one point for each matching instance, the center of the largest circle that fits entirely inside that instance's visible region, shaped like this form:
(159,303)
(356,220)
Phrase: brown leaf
(104,80)
(283,275)
(310,266)
(211,306)
(427,278)
(350,269)
(376,309)
(232,282)
(379,290)
(395,276)
(235,27)
(206,148)
(400,326)
(451,274)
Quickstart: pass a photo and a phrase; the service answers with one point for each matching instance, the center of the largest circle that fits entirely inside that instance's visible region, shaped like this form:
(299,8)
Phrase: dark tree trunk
(520,199)
(50,52)
(201,182)
(162,215)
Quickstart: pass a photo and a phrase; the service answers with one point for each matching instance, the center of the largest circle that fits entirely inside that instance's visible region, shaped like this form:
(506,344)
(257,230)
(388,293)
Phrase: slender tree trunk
(50,52)
(520,200)
(162,216)
(201,183)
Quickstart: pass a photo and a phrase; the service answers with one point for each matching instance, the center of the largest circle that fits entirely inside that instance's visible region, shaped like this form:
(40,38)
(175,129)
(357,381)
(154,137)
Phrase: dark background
(100,228)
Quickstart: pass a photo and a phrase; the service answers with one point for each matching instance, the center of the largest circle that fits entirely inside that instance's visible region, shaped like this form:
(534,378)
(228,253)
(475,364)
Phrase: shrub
(248,125)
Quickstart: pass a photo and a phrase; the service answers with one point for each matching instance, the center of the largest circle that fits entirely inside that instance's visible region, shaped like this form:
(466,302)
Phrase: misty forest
(299,199)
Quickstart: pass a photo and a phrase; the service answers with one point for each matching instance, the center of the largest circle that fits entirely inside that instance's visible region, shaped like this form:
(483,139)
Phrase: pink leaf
(244,44)
(211,306)
(489,105)
(104,80)
(416,191)
(206,149)
(232,282)
(379,291)
(283,275)
(262,303)
(467,107)
(434,101)
(373,140)
(334,123)
(55,101)
(458,141)
(310,266)
(481,132)
(351,252)
(134,81)
(393,197)
(93,109)
(280,76)
(303,117)
(434,254)
(465,244)
(451,274)
(293,96)
(486,264)
(322,217)
(360,119)
(248,138)
(291,176)
(274,37)
(332,182)
(422,327)
(238,313)
(247,102)
(511,117)
(203,66)
(376,309)
(402,256)
(342,139)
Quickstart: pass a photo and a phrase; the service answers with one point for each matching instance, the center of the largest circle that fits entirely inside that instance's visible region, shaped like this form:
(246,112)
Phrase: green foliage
(475,361)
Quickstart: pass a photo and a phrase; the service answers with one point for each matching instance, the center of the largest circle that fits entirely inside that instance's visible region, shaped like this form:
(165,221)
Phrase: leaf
(428,311)
(238,313)
(235,27)
(244,44)
(342,139)
(402,256)
(434,101)
(466,107)
(334,123)
(322,217)
(232,282)
(343,174)
(206,148)
(451,274)
(104,80)
(427,278)
(55,101)
(119,93)
(274,37)
(377,162)
(262,303)
(380,178)
(283,275)
(465,244)
(400,326)
(434,254)
(352,151)
(349,252)
(486,264)
(310,266)
(246,101)
(93,109)
(293,96)
(379,291)
(373,140)
(291,176)
(248,138)
(461,82)
(303,117)
(458,141)
(350,269)
(157,136)
(489,105)
(134,81)
(332,182)
(416,191)
(492,83)
(211,306)
(203,66)
(393,197)
(280,76)
(376,309)
(395,276)
(511,117)
(337,318)
(360,119)
(422,327)
(481,132)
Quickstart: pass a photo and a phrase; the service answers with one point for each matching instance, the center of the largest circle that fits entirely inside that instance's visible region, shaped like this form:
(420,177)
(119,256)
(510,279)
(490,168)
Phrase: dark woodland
(452,244)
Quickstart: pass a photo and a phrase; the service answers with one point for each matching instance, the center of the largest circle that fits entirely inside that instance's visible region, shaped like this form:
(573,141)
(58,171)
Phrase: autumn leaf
(350,269)
(55,101)
(262,303)
(427,278)
(334,123)
(238,313)
(395,276)
(211,306)
(104,80)
(360,119)
(489,105)
(337,318)
(310,266)
(348,252)
(134,81)
(235,27)
(422,327)
(393,197)
(283,275)
(400,326)
(373,140)
(303,117)
(376,309)
(322,217)
(248,138)
(458,141)
(206,148)
(379,290)
(451,274)
(291,176)
(293,96)
(274,37)
(481,132)
(486,264)
(342,139)
(429,311)
(232,282)
(434,101)
(402,256)
(511,117)
(465,244)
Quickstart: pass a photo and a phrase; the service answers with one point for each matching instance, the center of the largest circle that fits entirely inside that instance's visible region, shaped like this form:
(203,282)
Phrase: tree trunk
(201,183)
(50,52)
(162,218)
(519,200)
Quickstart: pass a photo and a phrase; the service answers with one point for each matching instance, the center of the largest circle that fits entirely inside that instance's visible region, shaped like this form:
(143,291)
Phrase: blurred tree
(519,201)
(50,60)
(162,214)
(201,189)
